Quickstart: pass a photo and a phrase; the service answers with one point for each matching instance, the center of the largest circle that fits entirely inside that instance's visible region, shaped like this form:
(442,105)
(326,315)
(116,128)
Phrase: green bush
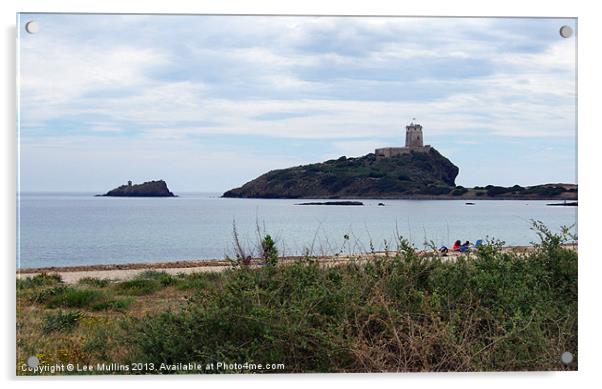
(94,282)
(198,280)
(138,287)
(550,191)
(101,340)
(69,297)
(493,191)
(61,321)
(269,252)
(112,304)
(459,191)
(490,310)
(43,295)
(164,278)
(39,280)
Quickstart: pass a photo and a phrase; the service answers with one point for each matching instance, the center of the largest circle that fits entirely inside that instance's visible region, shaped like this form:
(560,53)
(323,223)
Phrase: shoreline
(72,274)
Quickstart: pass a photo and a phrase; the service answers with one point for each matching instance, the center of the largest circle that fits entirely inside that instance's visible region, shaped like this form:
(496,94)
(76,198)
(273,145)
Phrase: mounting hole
(33,362)
(566,31)
(32,27)
(566,357)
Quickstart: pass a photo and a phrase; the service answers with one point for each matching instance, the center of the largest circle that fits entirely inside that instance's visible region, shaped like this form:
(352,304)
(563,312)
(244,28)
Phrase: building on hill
(414,135)
(414,142)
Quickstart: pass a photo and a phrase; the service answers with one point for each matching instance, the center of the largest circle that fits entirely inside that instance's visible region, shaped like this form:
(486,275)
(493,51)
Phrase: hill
(414,175)
(411,174)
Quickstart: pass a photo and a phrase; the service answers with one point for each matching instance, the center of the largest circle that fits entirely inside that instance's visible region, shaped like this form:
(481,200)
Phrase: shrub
(490,310)
(39,280)
(190,281)
(69,297)
(94,282)
(164,278)
(550,191)
(199,280)
(101,340)
(61,321)
(269,252)
(497,190)
(138,287)
(43,295)
(115,304)
(459,191)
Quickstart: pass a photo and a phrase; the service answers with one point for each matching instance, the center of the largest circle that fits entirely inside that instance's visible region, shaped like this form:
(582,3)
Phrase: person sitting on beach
(465,247)
(457,245)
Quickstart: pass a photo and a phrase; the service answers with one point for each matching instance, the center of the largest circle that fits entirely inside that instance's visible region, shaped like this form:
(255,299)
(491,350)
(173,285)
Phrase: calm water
(79,229)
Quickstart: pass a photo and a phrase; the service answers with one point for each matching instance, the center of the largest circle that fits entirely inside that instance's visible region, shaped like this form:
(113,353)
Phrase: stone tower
(414,135)
(414,143)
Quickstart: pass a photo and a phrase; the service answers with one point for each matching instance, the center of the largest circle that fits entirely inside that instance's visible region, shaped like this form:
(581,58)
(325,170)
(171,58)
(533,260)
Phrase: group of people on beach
(460,247)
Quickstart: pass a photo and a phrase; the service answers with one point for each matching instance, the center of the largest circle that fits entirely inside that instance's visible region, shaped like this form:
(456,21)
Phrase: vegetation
(490,310)
(38,281)
(138,287)
(61,321)
(67,297)
(459,191)
(118,304)
(269,251)
(94,282)
(368,177)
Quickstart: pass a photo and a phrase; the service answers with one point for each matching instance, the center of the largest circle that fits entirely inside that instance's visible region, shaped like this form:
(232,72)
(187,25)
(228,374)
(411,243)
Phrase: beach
(120,272)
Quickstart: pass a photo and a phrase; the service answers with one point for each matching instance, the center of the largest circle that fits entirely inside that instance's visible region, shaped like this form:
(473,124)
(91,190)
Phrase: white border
(589,178)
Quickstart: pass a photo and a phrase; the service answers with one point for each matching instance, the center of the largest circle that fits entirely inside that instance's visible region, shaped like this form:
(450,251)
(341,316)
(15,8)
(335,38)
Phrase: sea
(75,229)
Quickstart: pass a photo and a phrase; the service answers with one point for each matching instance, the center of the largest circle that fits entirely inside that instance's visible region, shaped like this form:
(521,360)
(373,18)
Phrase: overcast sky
(210,102)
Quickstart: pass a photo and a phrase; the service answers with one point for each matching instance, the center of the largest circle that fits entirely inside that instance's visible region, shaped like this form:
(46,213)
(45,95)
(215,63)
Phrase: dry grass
(97,336)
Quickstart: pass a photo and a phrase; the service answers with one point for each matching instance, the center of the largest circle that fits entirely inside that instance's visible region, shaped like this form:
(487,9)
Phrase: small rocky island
(148,189)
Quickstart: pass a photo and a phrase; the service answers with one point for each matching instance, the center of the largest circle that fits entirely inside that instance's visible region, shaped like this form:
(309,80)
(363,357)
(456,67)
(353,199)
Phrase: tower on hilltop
(414,143)
(414,135)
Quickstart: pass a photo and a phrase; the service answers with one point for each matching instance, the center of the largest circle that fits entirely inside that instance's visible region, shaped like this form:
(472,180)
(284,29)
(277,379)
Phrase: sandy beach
(72,274)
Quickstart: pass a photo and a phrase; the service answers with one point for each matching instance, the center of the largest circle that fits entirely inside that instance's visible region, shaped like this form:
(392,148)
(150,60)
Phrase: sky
(208,103)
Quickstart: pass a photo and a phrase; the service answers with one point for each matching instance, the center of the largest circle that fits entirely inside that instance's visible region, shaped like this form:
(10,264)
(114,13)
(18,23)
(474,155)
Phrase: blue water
(80,229)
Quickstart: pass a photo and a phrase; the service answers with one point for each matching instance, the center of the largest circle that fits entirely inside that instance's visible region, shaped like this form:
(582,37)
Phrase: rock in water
(334,203)
(410,174)
(147,189)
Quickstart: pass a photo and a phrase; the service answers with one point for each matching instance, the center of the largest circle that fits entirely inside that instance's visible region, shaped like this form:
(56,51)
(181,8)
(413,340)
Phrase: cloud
(344,83)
